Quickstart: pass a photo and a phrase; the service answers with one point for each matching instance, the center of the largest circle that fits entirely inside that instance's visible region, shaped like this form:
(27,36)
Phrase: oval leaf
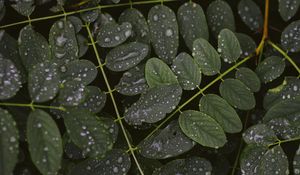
(71,93)
(251,15)
(228,46)
(249,78)
(259,134)
(288,8)
(290,37)
(296,162)
(247,44)
(270,68)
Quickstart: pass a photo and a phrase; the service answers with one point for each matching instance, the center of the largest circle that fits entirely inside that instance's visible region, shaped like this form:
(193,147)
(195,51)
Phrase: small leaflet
(77,23)
(72,93)
(247,44)
(228,46)
(296,162)
(251,15)
(288,8)
(259,134)
(163,32)
(249,78)
(270,68)
(82,44)
(290,37)
(23,7)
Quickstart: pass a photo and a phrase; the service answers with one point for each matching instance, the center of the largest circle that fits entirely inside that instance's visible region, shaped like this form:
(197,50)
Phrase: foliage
(166,87)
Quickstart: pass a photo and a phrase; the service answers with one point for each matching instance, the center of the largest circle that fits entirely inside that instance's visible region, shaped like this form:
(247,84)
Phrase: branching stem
(32,106)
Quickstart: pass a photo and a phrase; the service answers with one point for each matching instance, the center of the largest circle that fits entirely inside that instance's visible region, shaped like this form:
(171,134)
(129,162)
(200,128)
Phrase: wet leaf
(237,94)
(9,142)
(71,150)
(24,8)
(270,68)
(249,78)
(94,101)
(290,37)
(192,23)
(133,81)
(10,79)
(207,57)
(296,162)
(87,132)
(91,15)
(220,16)
(82,44)
(113,34)
(163,32)
(228,46)
(288,8)
(44,140)
(187,71)
(126,56)
(158,73)
(71,93)
(154,105)
(259,134)
(77,23)
(168,142)
(43,81)
(33,47)
(251,15)
(202,128)
(217,108)
(247,44)
(284,128)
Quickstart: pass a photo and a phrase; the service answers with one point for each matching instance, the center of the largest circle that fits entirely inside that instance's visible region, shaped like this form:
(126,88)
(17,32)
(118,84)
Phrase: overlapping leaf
(259,134)
(290,37)
(270,68)
(228,46)
(249,78)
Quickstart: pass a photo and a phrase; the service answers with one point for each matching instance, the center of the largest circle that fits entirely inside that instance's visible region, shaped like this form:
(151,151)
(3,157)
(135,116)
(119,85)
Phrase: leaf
(270,68)
(88,133)
(168,142)
(82,44)
(187,71)
(222,112)
(133,81)
(44,140)
(228,46)
(284,128)
(139,24)
(202,128)
(154,105)
(296,162)
(113,34)
(10,79)
(158,73)
(63,42)
(237,94)
(9,142)
(43,81)
(220,16)
(82,71)
(115,162)
(249,78)
(290,37)
(103,19)
(192,23)
(247,44)
(288,8)
(147,165)
(71,93)
(173,167)
(126,56)
(90,15)
(206,56)
(259,134)
(163,32)
(71,150)
(24,8)
(251,15)
(33,47)
(77,23)
(288,109)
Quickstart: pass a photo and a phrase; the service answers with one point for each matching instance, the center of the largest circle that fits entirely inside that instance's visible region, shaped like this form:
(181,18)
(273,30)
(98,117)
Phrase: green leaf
(288,109)
(251,15)
(63,42)
(154,105)
(113,34)
(82,44)
(10,79)
(9,142)
(249,78)
(296,162)
(147,165)
(83,71)
(90,15)
(133,81)
(173,167)
(270,68)
(158,73)
(126,56)
(288,8)
(192,23)
(202,128)
(237,94)
(115,162)
(206,56)
(33,47)
(77,23)
(163,32)
(187,71)
(222,112)
(44,140)
(284,128)
(24,8)
(87,132)
(168,142)
(71,93)
(220,16)
(228,46)
(71,150)
(43,81)
(290,37)
(259,134)
(139,24)
(248,45)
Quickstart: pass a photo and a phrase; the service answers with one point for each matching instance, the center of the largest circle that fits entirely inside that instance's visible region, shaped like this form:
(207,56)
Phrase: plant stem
(283,141)
(198,93)
(31,105)
(64,14)
(119,118)
(265,29)
(285,55)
